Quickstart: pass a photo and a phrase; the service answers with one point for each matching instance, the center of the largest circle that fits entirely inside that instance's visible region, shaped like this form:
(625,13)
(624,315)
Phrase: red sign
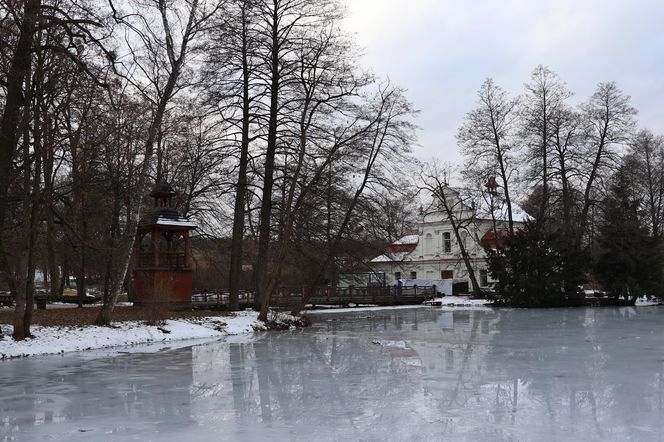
(247,267)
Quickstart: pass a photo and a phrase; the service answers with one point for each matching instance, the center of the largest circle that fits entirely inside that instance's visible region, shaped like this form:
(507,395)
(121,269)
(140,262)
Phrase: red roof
(496,239)
(406,243)
(396,248)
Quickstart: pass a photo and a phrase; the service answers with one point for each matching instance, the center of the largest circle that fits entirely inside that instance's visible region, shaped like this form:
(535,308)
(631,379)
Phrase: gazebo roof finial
(163,189)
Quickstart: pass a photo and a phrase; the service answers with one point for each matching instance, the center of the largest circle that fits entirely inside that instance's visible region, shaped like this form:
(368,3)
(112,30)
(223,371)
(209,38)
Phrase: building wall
(438,250)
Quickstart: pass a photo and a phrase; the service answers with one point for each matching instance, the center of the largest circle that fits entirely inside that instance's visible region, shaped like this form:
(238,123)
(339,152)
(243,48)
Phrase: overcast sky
(442,50)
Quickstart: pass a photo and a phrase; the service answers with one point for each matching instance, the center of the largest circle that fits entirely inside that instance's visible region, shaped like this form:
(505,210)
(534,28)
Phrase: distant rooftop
(409,239)
(399,249)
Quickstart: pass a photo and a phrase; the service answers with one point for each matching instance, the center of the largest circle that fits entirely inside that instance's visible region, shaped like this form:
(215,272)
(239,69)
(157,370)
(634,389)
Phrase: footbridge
(323,296)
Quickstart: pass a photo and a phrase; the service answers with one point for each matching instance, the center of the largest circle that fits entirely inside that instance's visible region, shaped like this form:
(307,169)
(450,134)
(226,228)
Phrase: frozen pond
(408,374)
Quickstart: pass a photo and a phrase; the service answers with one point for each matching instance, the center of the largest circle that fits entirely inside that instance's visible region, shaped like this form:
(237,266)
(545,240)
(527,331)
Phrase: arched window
(447,242)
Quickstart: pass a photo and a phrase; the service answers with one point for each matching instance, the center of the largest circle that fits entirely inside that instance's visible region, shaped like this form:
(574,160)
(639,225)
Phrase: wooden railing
(165,260)
(207,297)
(290,297)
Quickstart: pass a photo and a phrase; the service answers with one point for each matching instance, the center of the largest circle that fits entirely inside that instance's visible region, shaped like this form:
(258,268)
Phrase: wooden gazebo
(162,272)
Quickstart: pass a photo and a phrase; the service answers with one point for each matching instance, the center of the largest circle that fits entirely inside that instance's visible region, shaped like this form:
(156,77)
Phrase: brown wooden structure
(339,296)
(162,272)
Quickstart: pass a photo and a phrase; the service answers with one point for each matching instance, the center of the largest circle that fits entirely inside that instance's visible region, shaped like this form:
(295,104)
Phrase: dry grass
(86,316)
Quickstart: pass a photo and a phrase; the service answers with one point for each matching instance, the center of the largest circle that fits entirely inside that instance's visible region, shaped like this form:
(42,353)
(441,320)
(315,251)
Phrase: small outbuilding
(162,272)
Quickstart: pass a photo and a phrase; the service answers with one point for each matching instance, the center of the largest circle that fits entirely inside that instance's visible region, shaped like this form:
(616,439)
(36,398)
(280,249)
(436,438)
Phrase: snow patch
(458,301)
(179,222)
(412,239)
(645,302)
(54,340)
(392,344)
(392,257)
(360,308)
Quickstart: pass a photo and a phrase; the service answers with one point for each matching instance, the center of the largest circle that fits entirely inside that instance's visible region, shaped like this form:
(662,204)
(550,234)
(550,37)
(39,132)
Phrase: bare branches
(487,140)
(457,209)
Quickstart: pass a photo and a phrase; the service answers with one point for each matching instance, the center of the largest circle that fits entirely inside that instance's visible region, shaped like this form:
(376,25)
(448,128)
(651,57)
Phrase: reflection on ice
(423,374)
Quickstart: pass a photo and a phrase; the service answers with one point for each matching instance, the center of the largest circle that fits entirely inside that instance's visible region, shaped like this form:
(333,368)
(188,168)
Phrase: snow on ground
(458,301)
(54,340)
(645,302)
(446,301)
(361,308)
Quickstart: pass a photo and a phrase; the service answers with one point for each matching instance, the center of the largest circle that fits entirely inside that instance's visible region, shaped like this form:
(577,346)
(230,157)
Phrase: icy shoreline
(447,301)
(57,340)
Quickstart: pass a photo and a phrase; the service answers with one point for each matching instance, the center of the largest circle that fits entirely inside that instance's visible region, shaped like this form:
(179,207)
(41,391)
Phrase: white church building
(432,253)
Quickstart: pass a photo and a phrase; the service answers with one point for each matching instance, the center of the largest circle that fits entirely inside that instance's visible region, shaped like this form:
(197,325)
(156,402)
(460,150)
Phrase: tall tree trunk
(53,270)
(81,286)
(25,272)
(33,229)
(545,171)
(378,141)
(264,230)
(449,210)
(122,254)
(64,281)
(288,216)
(587,202)
(504,178)
(14,100)
(241,190)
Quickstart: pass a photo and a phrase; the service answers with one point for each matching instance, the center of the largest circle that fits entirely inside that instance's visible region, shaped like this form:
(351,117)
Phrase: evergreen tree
(537,269)
(630,264)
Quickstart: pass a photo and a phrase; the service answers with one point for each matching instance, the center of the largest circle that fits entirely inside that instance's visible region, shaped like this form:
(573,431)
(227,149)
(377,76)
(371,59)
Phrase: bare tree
(234,91)
(386,136)
(540,119)
(388,214)
(15,100)
(457,209)
(486,139)
(608,120)
(647,161)
(162,37)
(23,265)
(54,31)
(283,22)
(321,98)
(566,158)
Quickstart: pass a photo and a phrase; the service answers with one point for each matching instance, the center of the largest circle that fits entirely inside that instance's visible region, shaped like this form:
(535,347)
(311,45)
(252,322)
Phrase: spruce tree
(630,264)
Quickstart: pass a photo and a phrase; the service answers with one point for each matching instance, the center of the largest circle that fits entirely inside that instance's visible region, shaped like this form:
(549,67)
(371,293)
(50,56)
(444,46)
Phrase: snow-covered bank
(54,340)
(446,301)
(458,301)
(360,308)
(645,302)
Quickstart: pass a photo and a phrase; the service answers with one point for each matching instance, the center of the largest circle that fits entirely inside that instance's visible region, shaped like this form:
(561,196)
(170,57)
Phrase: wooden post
(156,238)
(185,236)
(138,251)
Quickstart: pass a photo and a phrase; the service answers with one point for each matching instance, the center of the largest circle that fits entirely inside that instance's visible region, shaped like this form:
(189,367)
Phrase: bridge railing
(291,296)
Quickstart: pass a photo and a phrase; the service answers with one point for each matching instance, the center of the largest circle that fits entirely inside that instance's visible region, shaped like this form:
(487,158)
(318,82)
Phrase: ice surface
(404,374)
